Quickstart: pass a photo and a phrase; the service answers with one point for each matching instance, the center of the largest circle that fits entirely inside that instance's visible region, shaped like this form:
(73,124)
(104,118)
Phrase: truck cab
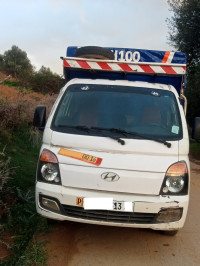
(115,145)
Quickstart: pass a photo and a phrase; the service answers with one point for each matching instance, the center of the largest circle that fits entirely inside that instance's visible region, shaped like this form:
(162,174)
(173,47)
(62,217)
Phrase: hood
(135,155)
(140,165)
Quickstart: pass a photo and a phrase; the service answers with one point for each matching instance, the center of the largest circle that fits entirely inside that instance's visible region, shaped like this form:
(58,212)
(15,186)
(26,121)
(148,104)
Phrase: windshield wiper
(116,130)
(142,136)
(135,134)
(121,141)
(88,129)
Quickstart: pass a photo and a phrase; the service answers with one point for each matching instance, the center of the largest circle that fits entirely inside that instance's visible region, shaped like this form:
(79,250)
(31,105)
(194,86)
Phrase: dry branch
(8,77)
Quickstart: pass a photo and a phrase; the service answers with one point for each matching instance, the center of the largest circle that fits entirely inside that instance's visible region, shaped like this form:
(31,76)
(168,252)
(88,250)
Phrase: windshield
(145,111)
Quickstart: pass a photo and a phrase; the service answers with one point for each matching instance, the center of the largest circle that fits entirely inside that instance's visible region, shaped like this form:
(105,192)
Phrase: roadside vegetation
(195,150)
(19,149)
(19,220)
(15,62)
(184,32)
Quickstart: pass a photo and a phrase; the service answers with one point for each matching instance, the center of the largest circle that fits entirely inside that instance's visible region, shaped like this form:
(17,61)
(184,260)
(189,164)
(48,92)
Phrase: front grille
(109,216)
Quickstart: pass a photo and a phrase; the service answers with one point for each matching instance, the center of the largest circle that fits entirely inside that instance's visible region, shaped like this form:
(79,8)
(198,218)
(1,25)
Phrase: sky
(45,28)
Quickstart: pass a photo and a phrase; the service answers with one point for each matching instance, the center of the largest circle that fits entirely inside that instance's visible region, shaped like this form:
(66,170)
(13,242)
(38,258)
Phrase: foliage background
(184,35)
(15,62)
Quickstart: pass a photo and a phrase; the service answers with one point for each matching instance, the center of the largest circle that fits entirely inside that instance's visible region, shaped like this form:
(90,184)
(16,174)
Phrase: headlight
(175,183)
(50,172)
(48,168)
(176,180)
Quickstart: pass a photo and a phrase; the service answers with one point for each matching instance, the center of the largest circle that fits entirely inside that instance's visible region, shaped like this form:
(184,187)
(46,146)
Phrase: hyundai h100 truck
(115,145)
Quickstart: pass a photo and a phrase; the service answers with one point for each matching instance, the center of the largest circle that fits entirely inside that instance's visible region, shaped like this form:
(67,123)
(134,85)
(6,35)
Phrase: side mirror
(39,119)
(196,129)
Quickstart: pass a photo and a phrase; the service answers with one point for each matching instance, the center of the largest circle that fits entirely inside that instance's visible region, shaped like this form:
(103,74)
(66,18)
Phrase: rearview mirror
(39,119)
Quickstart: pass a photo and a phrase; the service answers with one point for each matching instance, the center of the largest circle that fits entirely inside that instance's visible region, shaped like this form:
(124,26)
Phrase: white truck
(115,145)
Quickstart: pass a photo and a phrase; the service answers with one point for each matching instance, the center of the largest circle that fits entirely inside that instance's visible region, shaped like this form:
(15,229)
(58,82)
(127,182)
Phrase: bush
(19,110)
(6,198)
(12,114)
(5,170)
(45,81)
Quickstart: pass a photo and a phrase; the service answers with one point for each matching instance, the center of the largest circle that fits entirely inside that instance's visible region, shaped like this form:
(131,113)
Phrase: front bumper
(146,208)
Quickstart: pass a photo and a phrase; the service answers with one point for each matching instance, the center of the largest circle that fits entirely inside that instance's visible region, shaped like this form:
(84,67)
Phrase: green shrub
(45,81)
(11,83)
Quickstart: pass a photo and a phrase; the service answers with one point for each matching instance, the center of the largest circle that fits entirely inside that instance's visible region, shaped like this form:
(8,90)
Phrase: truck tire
(94,52)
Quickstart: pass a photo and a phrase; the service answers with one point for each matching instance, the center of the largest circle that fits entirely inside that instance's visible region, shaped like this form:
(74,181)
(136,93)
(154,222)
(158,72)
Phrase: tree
(192,93)
(184,35)
(46,81)
(16,62)
(184,28)
(1,62)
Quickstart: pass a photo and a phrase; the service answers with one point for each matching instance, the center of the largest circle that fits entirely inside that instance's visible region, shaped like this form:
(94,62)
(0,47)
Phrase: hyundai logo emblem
(110,177)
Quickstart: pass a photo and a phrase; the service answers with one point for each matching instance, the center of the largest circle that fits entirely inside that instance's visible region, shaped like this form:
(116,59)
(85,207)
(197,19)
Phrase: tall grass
(5,170)
(19,149)
(17,108)
(19,216)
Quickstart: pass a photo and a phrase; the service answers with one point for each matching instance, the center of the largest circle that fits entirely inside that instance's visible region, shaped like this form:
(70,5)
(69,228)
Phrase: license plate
(122,206)
(98,203)
(104,204)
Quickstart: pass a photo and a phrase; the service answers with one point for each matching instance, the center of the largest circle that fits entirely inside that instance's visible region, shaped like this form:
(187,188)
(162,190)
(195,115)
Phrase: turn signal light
(48,156)
(177,169)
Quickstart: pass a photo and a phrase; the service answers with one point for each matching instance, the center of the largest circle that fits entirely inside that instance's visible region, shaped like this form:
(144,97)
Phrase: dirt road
(74,244)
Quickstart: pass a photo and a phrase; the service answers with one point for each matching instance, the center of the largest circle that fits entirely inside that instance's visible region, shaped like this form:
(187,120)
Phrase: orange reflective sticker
(80,156)
(79,201)
(165,58)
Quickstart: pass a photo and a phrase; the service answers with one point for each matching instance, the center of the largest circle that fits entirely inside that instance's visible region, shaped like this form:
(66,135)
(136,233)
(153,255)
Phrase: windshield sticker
(175,129)
(154,93)
(81,156)
(85,88)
